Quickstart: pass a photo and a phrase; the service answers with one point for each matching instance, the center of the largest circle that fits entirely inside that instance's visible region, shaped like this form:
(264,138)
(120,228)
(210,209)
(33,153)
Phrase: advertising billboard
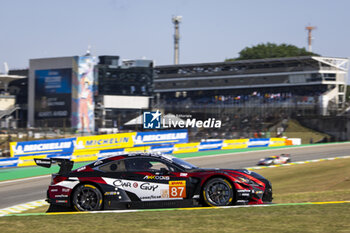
(61,146)
(161,137)
(53,93)
(83,104)
(104,142)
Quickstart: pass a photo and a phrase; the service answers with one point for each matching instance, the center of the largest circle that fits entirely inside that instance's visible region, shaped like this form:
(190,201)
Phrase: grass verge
(295,130)
(305,218)
(320,181)
(311,182)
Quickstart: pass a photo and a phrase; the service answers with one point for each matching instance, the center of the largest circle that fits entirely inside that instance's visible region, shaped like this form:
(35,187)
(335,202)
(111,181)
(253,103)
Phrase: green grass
(320,181)
(306,218)
(311,182)
(295,130)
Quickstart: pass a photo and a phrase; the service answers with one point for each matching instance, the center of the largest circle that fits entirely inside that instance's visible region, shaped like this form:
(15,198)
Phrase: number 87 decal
(177,189)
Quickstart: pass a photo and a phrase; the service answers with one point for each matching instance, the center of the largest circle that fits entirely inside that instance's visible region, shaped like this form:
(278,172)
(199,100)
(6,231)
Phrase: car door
(154,179)
(134,183)
(171,180)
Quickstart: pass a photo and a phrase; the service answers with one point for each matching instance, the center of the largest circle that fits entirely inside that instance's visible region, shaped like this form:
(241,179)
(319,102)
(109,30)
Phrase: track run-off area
(177,209)
(13,193)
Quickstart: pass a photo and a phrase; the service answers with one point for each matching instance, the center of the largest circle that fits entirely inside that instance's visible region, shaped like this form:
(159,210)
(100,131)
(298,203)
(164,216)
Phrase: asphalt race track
(31,189)
(250,159)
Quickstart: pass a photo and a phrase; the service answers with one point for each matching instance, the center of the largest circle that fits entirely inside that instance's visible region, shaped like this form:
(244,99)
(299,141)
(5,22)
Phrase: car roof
(113,157)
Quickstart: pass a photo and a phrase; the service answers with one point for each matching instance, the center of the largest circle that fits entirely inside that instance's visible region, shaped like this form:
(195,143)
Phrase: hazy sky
(210,30)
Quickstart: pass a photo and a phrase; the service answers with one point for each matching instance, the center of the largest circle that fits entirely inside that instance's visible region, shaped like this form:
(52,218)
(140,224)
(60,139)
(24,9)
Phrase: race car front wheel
(217,192)
(87,197)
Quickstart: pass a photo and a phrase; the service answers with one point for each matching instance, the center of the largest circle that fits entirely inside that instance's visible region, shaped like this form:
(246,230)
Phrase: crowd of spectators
(255,98)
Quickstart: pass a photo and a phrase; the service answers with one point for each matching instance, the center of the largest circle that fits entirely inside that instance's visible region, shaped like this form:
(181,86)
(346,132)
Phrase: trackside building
(87,93)
(310,84)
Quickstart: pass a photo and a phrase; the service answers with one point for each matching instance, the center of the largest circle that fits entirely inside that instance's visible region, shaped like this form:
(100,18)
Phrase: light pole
(309,37)
(176,21)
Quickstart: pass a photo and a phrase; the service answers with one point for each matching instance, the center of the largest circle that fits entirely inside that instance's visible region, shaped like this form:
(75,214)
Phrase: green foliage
(271,50)
(347,97)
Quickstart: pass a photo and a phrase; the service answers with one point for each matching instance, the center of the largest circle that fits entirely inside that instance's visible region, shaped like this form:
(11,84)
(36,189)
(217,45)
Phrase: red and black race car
(150,180)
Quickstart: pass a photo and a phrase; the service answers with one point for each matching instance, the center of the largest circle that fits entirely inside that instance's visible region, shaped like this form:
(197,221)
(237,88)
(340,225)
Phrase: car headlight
(247,181)
(244,180)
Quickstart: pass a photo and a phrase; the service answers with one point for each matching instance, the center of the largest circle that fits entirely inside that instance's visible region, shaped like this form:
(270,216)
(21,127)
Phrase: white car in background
(276,159)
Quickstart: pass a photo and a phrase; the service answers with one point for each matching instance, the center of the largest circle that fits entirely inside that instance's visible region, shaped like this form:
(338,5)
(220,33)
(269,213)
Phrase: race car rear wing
(66,165)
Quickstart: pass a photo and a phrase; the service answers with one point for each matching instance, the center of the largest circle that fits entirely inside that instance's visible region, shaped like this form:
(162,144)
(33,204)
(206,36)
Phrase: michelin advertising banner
(81,145)
(90,148)
(235,144)
(161,137)
(42,147)
(258,142)
(104,142)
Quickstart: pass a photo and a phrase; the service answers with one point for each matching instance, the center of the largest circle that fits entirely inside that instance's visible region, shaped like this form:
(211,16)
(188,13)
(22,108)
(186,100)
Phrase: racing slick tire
(87,197)
(217,192)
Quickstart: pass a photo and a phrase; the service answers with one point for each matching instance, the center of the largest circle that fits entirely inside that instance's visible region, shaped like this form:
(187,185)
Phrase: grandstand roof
(5,79)
(255,61)
(277,72)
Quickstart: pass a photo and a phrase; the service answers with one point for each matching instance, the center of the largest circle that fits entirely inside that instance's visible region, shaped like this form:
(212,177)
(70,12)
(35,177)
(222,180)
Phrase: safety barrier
(91,148)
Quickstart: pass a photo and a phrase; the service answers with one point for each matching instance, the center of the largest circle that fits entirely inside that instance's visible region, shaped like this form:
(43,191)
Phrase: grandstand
(252,95)
(10,98)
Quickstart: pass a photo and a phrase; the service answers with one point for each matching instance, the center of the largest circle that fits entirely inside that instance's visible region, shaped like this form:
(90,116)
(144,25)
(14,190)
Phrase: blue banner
(167,149)
(62,147)
(11,162)
(161,137)
(258,142)
(211,145)
(111,152)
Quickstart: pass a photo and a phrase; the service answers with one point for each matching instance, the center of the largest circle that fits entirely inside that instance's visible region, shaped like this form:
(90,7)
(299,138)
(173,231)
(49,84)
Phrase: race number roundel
(177,189)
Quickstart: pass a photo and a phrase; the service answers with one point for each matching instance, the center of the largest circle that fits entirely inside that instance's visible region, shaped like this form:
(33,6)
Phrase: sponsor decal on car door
(151,191)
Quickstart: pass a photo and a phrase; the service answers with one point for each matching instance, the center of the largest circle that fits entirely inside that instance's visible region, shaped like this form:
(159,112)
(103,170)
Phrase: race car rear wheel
(87,197)
(217,192)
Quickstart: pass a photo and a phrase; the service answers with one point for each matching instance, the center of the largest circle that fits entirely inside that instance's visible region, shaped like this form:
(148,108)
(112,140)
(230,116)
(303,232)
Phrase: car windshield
(179,162)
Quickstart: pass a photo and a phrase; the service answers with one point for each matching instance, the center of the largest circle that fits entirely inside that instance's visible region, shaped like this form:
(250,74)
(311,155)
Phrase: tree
(271,50)
(347,97)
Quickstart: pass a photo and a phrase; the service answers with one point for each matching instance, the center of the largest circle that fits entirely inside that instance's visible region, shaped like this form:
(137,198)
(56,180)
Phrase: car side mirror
(164,171)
